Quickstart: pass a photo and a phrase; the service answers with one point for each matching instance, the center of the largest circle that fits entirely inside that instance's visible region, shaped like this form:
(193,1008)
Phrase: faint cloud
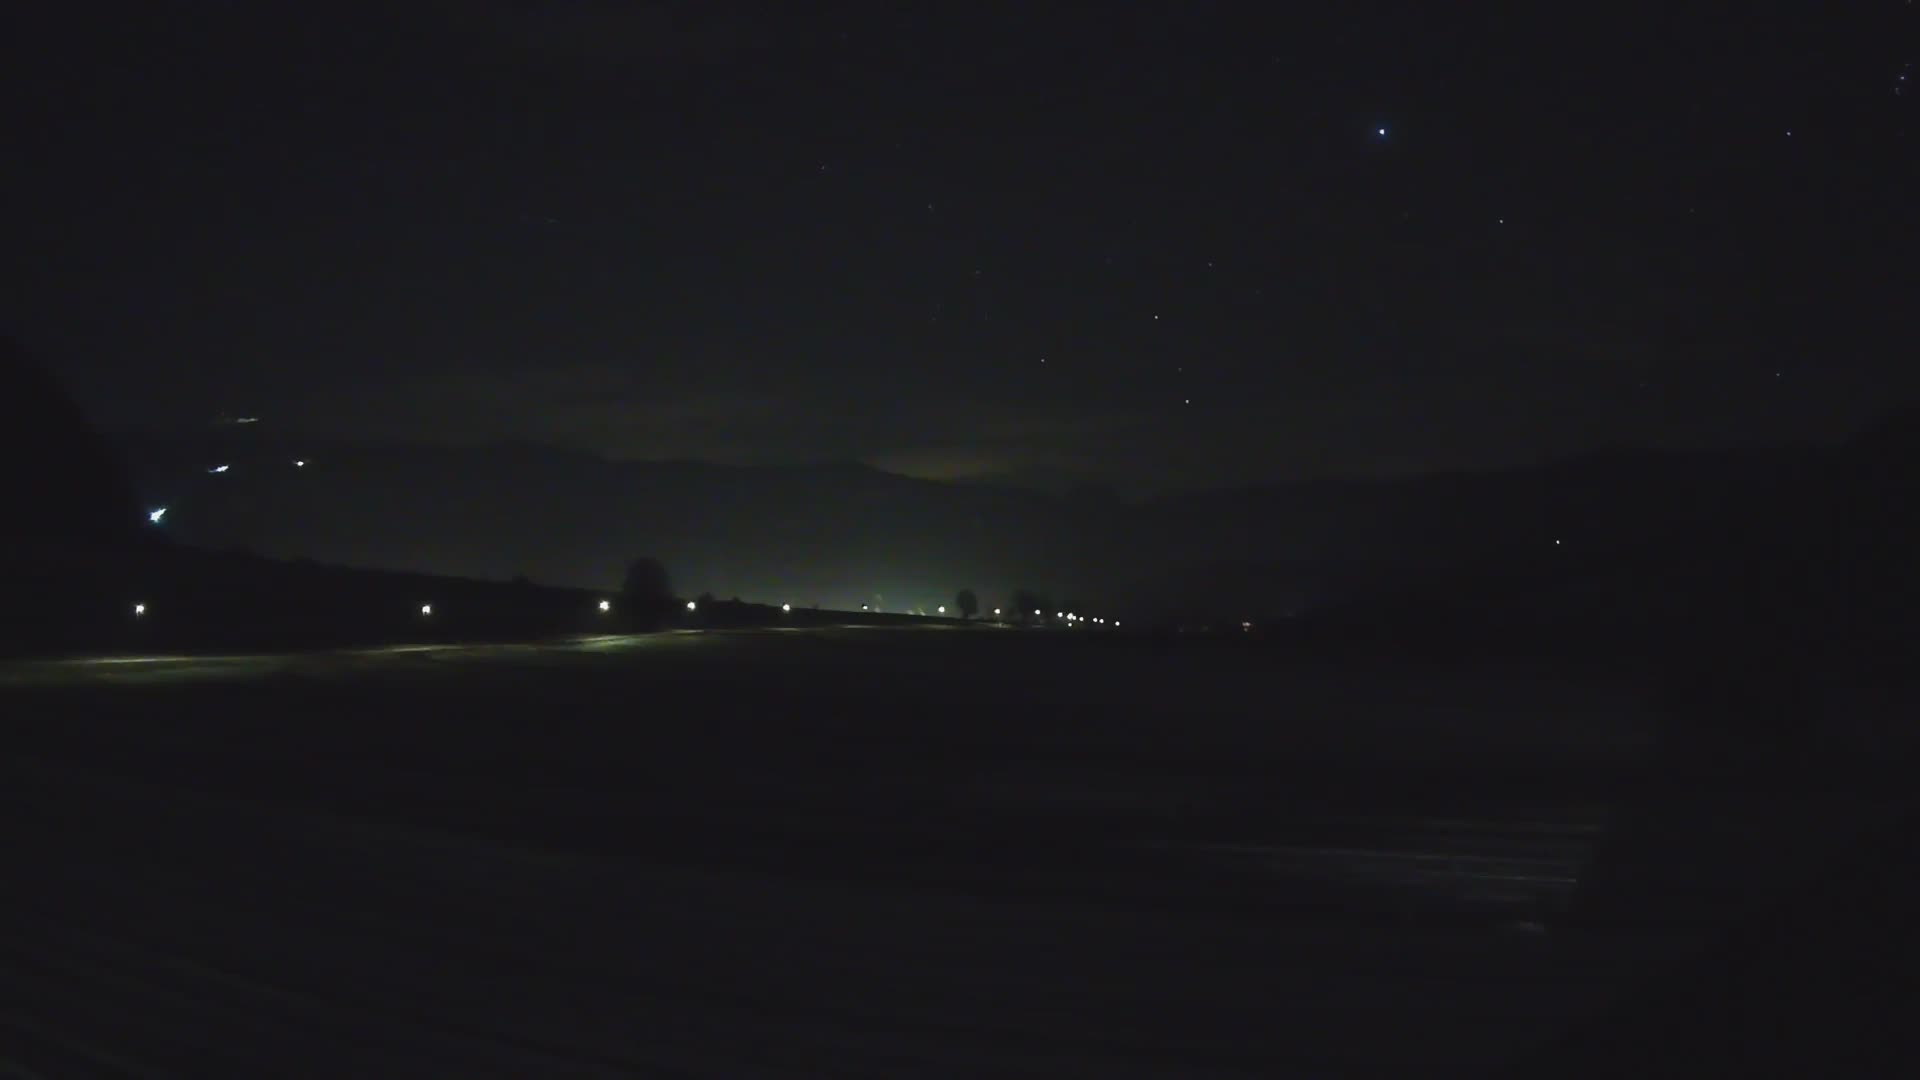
(947,463)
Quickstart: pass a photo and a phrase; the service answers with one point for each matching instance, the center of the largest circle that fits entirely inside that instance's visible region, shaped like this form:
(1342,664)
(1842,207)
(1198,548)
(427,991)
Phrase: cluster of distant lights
(1068,617)
(155,515)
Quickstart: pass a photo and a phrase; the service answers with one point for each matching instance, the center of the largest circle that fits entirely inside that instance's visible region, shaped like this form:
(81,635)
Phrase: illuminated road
(228,667)
(245,666)
(820,852)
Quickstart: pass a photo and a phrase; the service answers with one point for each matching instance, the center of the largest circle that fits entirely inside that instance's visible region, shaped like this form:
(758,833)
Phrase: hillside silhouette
(64,485)
(70,522)
(84,569)
(1632,530)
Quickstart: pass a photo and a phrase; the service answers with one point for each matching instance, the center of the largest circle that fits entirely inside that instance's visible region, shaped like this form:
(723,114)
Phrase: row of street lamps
(156,515)
(606,607)
(426,610)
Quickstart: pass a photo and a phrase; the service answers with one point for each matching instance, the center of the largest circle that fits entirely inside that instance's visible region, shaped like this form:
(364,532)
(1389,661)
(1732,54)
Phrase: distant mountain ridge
(846,534)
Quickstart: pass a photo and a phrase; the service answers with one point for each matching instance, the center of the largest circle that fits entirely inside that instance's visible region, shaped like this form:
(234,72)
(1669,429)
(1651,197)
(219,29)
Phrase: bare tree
(646,596)
(1029,606)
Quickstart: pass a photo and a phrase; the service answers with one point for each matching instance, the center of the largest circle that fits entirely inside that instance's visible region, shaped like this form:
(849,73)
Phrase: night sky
(1148,246)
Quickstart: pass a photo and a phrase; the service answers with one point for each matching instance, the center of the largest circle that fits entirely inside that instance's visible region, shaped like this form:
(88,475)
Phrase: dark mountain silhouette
(1630,529)
(70,527)
(82,569)
(62,483)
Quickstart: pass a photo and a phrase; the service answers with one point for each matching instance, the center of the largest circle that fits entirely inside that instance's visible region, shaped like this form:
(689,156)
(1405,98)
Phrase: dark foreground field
(866,853)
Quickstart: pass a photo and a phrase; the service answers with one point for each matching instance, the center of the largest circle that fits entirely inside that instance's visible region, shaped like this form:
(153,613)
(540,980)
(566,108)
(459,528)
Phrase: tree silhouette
(646,596)
(968,604)
(1029,606)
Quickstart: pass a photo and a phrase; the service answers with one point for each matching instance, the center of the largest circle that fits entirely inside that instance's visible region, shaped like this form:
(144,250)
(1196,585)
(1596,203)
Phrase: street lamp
(154,515)
(139,610)
(942,609)
(219,468)
(786,607)
(691,605)
(606,605)
(426,610)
